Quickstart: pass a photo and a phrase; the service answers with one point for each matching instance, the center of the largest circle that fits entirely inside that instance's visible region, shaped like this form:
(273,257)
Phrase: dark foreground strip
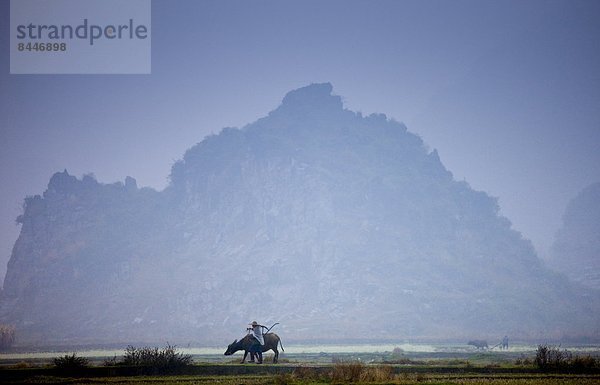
(252,369)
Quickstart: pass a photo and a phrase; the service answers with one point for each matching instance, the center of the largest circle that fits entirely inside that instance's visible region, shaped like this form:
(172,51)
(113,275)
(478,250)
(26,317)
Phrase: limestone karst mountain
(314,216)
(576,250)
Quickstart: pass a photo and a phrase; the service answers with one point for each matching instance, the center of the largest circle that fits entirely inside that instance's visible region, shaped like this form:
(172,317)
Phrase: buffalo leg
(276,356)
(244,358)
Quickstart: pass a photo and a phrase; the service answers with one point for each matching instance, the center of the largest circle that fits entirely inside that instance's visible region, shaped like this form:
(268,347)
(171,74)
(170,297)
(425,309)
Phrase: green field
(398,367)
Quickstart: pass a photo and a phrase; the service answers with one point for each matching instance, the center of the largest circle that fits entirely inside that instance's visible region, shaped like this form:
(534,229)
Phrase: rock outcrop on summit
(314,216)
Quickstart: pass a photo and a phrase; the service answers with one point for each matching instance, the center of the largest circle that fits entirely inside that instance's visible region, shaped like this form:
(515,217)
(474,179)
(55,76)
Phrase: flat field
(306,375)
(302,365)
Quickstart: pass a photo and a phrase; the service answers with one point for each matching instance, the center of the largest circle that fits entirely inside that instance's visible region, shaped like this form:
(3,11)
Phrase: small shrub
(582,363)
(165,360)
(71,361)
(550,357)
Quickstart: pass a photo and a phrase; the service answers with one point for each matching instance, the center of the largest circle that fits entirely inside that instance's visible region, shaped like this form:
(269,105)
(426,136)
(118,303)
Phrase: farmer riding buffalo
(256,331)
(256,342)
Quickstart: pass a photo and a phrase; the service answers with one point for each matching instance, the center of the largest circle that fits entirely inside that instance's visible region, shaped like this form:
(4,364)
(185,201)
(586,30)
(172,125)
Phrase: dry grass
(356,371)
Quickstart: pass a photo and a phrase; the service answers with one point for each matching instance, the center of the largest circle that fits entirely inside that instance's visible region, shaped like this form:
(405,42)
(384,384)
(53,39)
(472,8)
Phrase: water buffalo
(271,343)
(479,344)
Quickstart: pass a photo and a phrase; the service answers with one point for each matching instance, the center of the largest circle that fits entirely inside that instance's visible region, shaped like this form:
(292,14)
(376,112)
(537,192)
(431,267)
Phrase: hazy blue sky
(507,91)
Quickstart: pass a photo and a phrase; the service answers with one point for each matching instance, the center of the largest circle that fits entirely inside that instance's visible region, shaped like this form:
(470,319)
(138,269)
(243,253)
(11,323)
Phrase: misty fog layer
(314,216)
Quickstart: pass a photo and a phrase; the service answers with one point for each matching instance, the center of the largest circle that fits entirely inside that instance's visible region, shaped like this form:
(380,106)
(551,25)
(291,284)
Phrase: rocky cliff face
(576,250)
(315,217)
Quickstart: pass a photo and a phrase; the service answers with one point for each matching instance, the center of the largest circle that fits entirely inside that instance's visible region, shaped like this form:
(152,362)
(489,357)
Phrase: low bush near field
(549,357)
(71,361)
(584,362)
(154,360)
(166,360)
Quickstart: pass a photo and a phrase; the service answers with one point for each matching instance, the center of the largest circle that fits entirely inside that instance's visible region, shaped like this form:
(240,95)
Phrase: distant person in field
(257,332)
(505,342)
